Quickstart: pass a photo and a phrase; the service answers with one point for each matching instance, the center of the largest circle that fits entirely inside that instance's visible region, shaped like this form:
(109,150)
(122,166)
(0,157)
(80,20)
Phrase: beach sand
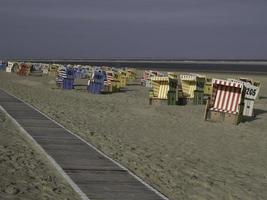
(25,174)
(170,147)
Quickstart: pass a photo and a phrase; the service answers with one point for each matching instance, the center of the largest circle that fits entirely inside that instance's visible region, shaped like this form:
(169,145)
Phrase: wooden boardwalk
(97,176)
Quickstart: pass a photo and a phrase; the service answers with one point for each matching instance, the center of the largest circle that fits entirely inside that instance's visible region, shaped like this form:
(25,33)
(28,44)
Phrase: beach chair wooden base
(36,73)
(189,101)
(150,101)
(199,98)
(80,87)
(107,89)
(172,98)
(159,102)
(229,118)
(232,119)
(182,101)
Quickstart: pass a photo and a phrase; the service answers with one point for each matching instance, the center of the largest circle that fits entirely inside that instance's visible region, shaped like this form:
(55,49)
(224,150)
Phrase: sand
(170,147)
(25,173)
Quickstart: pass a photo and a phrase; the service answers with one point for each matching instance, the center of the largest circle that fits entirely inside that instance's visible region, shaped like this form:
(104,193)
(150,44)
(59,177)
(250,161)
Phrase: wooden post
(206,109)
(150,101)
(151,96)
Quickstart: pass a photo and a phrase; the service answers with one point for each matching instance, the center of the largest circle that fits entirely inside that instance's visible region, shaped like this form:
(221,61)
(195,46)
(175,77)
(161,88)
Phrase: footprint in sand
(11,189)
(2,117)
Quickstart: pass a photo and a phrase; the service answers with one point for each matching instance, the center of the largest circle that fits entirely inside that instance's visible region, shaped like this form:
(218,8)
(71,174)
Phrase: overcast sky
(133,28)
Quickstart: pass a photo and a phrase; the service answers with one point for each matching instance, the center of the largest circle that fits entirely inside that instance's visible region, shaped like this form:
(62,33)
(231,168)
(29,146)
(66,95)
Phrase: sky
(180,29)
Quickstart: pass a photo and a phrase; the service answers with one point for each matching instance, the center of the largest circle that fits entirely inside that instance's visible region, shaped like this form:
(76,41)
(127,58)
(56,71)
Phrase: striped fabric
(163,91)
(145,75)
(106,83)
(160,87)
(62,73)
(227,83)
(252,91)
(155,88)
(188,88)
(109,78)
(188,82)
(172,75)
(226,96)
(148,74)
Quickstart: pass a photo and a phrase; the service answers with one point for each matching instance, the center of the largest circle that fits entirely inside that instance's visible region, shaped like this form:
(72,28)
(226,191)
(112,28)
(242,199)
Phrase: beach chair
(131,74)
(98,83)
(188,85)
(116,83)
(173,89)
(45,68)
(193,87)
(35,69)
(147,75)
(251,94)
(12,67)
(160,88)
(2,65)
(122,78)
(68,81)
(61,73)
(53,69)
(23,69)
(172,75)
(226,103)
(112,84)
(208,87)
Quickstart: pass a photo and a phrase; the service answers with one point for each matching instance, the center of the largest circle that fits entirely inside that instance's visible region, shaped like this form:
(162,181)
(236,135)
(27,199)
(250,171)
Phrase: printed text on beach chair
(190,83)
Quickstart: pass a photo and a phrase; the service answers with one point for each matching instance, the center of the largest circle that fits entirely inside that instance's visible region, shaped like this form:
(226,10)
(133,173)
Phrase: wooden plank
(39,123)
(23,115)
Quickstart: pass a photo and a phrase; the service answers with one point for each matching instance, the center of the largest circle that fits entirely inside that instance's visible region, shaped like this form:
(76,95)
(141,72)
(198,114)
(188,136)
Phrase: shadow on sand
(262,97)
(123,90)
(257,113)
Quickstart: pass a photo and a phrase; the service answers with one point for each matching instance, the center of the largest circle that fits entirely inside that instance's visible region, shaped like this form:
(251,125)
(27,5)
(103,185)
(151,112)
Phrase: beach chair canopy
(252,91)
(172,75)
(99,75)
(145,75)
(188,77)
(12,66)
(188,82)
(226,96)
(160,87)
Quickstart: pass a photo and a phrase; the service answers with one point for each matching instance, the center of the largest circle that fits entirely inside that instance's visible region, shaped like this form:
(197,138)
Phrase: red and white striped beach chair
(226,103)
